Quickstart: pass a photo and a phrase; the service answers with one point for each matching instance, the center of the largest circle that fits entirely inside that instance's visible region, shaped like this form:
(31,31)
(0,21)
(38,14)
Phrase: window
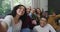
(23,2)
(7,5)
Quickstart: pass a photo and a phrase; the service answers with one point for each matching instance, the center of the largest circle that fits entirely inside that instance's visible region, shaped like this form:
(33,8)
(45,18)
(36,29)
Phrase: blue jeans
(25,30)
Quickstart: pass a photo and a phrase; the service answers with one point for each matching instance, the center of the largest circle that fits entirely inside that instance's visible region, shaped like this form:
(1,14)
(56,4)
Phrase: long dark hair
(13,13)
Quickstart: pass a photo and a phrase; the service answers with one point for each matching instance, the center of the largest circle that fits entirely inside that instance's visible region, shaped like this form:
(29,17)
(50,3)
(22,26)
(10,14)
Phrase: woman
(13,21)
(39,14)
(44,26)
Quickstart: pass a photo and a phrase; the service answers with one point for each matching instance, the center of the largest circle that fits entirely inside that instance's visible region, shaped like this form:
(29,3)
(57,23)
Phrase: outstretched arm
(3,27)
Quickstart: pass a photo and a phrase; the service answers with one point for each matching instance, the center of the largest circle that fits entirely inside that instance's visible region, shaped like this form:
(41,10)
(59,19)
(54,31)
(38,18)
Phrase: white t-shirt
(47,28)
(11,27)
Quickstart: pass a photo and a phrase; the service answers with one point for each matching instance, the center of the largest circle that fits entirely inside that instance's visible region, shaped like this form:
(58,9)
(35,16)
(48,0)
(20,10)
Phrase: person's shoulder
(9,16)
(49,25)
(37,26)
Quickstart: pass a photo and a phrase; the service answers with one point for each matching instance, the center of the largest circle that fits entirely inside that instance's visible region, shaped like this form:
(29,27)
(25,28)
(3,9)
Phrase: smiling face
(33,11)
(38,11)
(43,22)
(28,10)
(20,11)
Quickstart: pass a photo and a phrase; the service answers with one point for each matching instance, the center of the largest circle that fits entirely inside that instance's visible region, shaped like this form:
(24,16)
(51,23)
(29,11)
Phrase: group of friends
(22,19)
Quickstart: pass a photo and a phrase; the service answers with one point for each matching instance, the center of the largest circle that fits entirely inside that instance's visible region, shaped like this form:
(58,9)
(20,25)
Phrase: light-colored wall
(42,4)
(34,3)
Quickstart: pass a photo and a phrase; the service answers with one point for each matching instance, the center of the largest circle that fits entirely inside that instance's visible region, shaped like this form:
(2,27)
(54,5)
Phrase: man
(44,26)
